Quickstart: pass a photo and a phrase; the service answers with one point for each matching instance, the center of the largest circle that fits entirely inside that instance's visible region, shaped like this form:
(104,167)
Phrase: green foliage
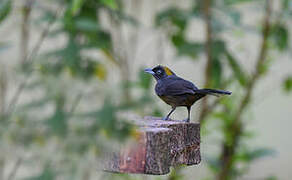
(279,36)
(58,121)
(271,178)
(189,48)
(76,6)
(46,174)
(232,2)
(176,16)
(110,3)
(80,20)
(144,80)
(108,122)
(176,173)
(252,155)
(5,8)
(237,70)
(216,73)
(178,20)
(288,84)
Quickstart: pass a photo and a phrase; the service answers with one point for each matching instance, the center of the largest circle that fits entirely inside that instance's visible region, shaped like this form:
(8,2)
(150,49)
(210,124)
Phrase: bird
(176,91)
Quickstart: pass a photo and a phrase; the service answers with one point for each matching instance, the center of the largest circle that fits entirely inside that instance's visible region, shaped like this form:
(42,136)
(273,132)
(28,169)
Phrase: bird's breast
(159,89)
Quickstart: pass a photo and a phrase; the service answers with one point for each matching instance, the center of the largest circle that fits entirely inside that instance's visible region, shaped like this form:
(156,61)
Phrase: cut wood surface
(159,145)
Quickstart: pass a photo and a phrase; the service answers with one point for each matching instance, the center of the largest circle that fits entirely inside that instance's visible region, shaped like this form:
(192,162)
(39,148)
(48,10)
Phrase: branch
(75,104)
(228,151)
(208,51)
(2,164)
(30,60)
(120,52)
(3,89)
(15,169)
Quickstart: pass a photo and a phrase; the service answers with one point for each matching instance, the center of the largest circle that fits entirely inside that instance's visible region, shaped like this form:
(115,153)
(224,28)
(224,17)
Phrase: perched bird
(176,91)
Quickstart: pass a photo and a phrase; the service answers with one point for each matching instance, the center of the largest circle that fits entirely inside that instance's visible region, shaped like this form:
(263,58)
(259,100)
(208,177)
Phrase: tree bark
(229,150)
(159,145)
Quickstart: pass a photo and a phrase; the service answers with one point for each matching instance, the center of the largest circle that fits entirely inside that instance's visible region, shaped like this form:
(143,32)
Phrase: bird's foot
(165,118)
(186,120)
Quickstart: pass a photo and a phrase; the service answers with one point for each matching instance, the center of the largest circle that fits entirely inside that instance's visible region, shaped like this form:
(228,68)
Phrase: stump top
(150,121)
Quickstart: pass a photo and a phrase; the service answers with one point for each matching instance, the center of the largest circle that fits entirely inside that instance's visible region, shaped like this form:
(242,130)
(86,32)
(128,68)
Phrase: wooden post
(159,145)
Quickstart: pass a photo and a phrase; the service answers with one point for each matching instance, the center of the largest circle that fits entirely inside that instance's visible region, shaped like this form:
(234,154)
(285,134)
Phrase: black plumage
(176,91)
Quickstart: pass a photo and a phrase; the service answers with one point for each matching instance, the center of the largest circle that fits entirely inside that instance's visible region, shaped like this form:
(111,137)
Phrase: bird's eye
(158,72)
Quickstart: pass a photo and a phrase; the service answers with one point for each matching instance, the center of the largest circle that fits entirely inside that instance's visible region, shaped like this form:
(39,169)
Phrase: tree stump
(159,145)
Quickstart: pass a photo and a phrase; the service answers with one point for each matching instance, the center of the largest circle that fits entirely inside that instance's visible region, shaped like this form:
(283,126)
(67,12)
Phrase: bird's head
(159,72)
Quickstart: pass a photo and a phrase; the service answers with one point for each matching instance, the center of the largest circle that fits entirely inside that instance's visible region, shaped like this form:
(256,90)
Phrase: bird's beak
(149,70)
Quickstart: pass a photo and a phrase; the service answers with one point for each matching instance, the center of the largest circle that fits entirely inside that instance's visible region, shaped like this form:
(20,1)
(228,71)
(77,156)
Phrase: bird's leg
(166,118)
(189,114)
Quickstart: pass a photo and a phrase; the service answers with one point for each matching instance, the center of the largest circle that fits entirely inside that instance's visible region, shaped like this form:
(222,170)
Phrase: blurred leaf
(221,115)
(47,68)
(251,155)
(218,48)
(217,24)
(174,15)
(233,2)
(216,72)
(213,164)
(45,16)
(190,49)
(263,69)
(235,67)
(47,174)
(58,122)
(109,124)
(99,39)
(157,112)
(112,4)
(144,79)
(176,174)
(5,8)
(279,36)
(185,48)
(100,71)
(286,4)
(235,16)
(178,40)
(271,178)
(288,84)
(76,5)
(35,104)
(126,18)
(86,24)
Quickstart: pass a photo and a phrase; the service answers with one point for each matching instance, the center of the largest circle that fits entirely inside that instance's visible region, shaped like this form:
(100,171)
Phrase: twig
(121,53)
(228,151)
(25,28)
(13,102)
(30,60)
(3,89)
(2,164)
(15,169)
(75,104)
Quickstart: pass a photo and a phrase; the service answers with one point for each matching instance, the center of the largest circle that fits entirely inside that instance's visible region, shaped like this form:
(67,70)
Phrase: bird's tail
(213,92)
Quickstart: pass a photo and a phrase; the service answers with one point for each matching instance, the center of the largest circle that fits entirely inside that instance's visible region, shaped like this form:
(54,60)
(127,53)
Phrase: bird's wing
(175,86)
